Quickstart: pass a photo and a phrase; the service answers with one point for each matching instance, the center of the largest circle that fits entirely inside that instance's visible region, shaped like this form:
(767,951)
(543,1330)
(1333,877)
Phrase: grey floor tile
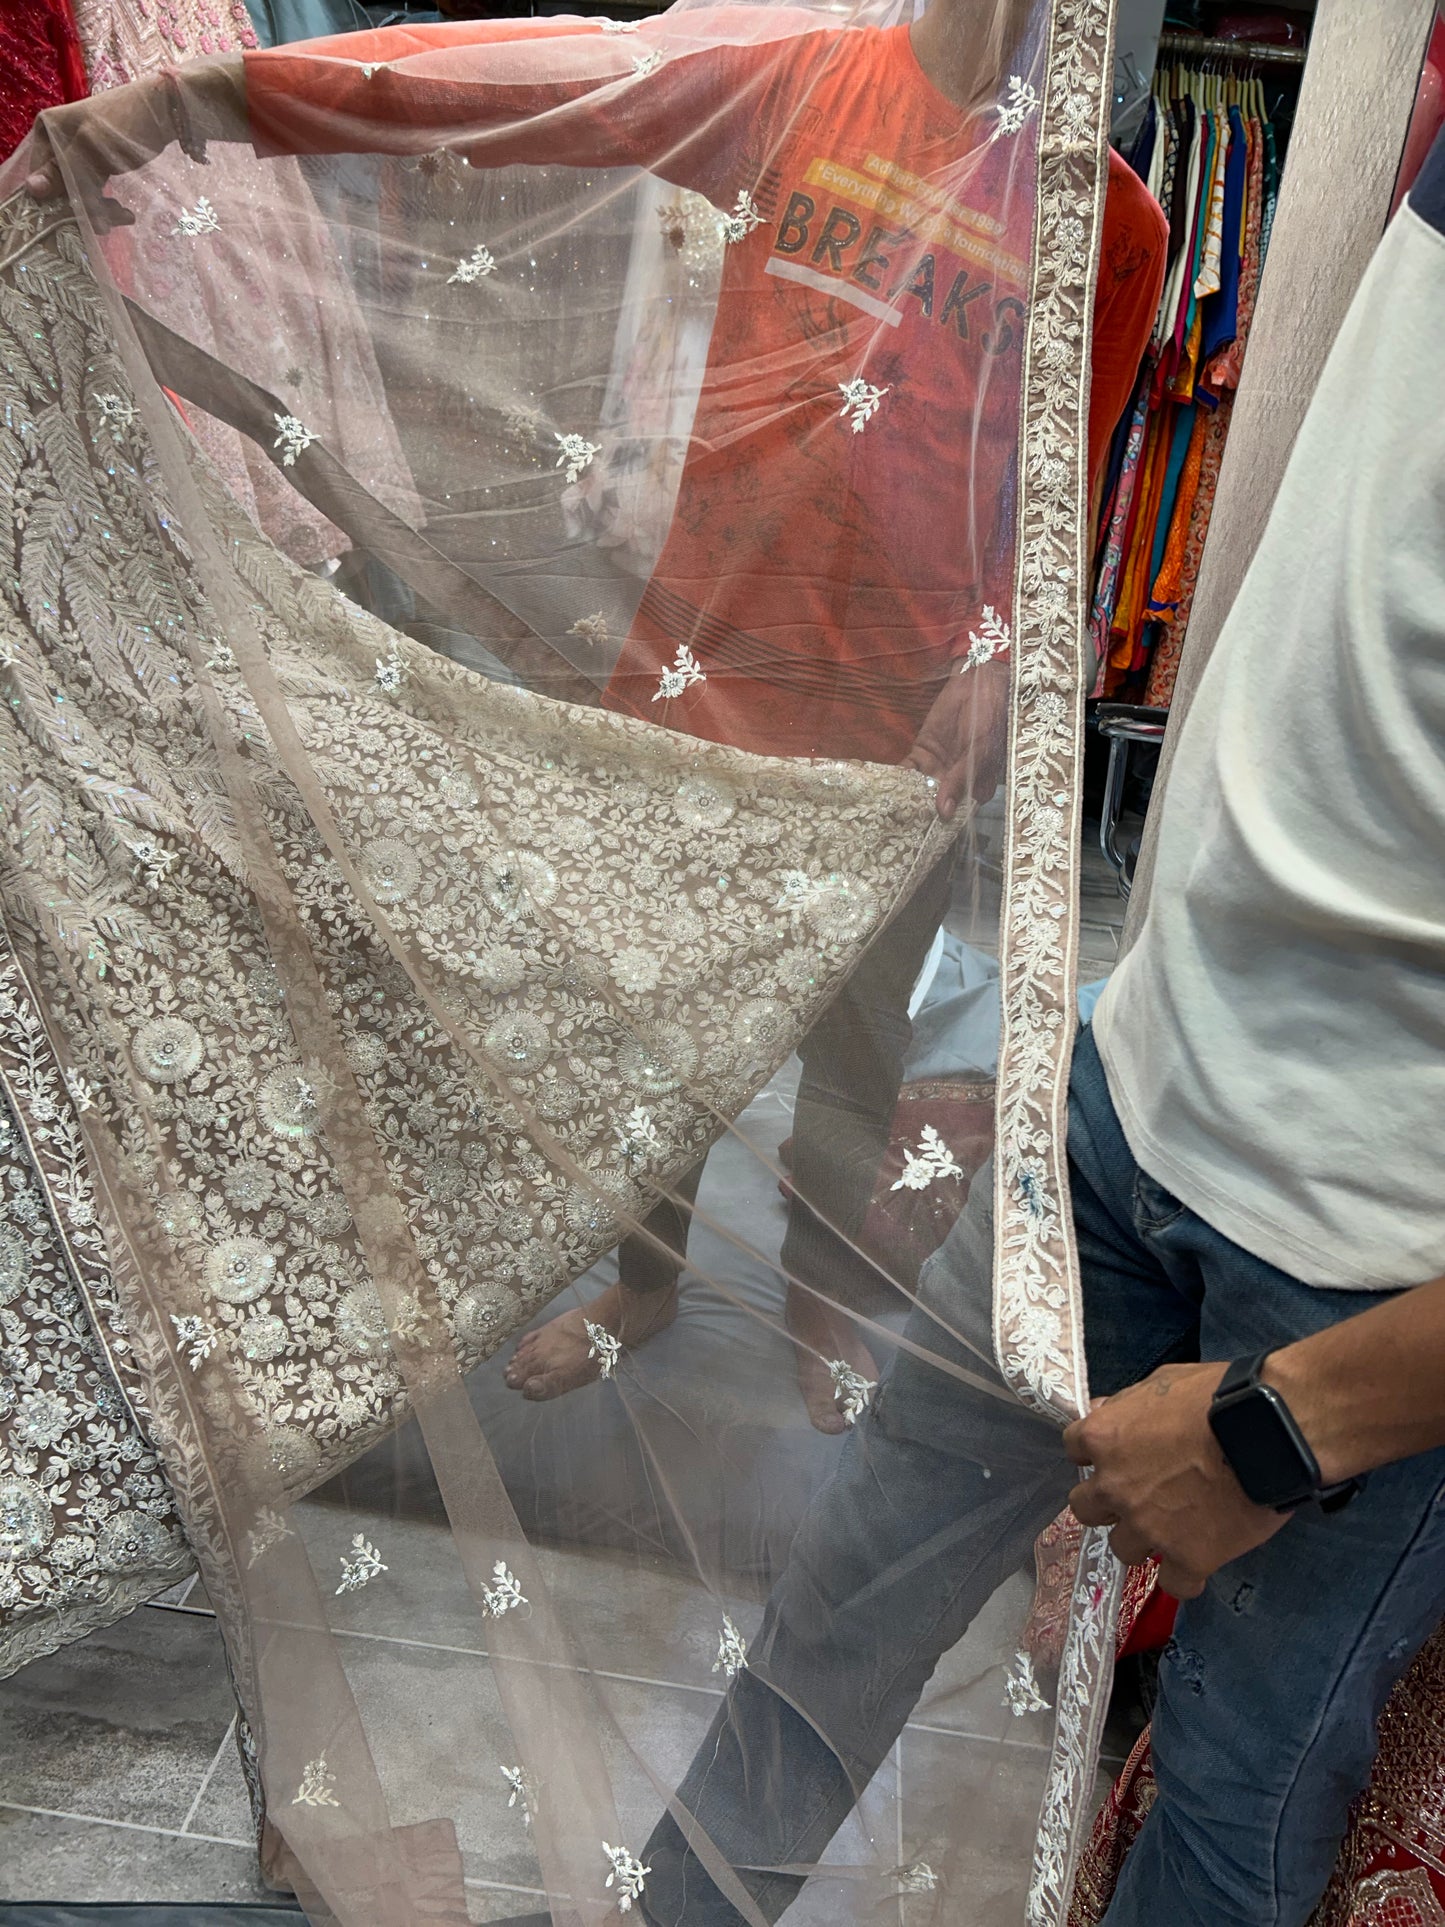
(122,1725)
(45,1858)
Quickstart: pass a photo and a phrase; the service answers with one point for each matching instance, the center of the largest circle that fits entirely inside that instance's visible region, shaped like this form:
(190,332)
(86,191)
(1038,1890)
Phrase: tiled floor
(119,1778)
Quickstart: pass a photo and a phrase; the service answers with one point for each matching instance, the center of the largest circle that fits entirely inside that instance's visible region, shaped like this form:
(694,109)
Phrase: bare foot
(562,1356)
(827,1339)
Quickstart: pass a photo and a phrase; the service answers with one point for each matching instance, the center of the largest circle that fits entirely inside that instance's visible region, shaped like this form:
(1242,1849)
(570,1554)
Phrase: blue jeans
(1270,1690)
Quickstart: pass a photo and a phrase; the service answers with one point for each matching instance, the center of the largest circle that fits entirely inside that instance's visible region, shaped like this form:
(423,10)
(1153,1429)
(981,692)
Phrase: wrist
(1315,1408)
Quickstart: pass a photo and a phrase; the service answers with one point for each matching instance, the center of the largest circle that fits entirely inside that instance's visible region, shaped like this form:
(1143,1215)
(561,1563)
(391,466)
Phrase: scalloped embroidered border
(1037,1311)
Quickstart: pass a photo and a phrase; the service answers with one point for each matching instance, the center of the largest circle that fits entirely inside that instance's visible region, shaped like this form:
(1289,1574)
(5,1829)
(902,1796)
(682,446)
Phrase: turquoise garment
(277,21)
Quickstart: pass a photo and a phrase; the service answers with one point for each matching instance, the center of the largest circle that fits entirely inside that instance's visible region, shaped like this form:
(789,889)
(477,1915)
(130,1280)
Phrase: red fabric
(824,579)
(41,65)
(1153,1625)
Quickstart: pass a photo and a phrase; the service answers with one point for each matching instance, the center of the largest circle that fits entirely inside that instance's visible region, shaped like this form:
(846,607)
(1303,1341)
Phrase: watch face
(1258,1437)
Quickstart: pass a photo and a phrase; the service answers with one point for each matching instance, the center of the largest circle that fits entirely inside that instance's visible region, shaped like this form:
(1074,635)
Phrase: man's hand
(964,739)
(1162,1482)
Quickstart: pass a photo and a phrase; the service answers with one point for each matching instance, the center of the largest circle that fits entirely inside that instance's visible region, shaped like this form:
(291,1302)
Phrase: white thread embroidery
(576,455)
(1021,102)
(505,1595)
(362,1568)
(931,1160)
(637,1134)
(523,424)
(198,1338)
(744,218)
(628,1873)
(917,1878)
(1022,1688)
(685,671)
(646,63)
(200,219)
(269,1530)
(860,402)
(82,1094)
(317,1781)
(153,859)
(116,412)
(476,266)
(592,629)
(294,437)
(732,1650)
(851,1386)
(621,26)
(390,672)
(516,1779)
(605,1348)
(990,639)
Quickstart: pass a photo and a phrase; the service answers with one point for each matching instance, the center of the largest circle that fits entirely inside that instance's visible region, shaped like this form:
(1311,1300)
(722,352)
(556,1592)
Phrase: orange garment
(823,579)
(1164,597)
(1128,621)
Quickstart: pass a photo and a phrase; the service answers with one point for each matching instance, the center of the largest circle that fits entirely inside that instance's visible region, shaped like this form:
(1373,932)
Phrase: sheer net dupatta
(472,928)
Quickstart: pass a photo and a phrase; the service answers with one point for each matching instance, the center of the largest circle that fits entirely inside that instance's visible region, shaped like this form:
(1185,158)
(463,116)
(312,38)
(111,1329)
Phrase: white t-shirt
(1275,1041)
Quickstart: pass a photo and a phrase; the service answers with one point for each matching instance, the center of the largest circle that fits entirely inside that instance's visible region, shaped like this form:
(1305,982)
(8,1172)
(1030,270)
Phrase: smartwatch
(1266,1450)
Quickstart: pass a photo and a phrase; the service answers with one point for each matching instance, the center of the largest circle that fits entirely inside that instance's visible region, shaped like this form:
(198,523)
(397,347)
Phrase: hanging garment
(40,59)
(364,1003)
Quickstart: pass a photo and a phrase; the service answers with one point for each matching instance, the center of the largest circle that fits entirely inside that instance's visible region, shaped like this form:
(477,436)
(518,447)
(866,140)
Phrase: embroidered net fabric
(400,953)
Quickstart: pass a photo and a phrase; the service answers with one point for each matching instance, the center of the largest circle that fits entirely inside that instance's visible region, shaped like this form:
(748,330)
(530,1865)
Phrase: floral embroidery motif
(477,265)
(293,436)
(686,671)
(860,402)
(852,1388)
(628,1874)
(154,859)
(620,26)
(516,1779)
(576,455)
(317,1784)
(390,672)
(1020,103)
(1022,1688)
(744,218)
(732,1650)
(521,422)
(269,1530)
(638,1135)
(82,1092)
(605,1348)
(990,639)
(116,412)
(592,629)
(931,1160)
(646,63)
(916,1878)
(362,1567)
(504,1595)
(200,219)
(197,1338)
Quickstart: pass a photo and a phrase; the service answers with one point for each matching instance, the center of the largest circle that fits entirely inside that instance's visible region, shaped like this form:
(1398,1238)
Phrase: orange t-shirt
(845,510)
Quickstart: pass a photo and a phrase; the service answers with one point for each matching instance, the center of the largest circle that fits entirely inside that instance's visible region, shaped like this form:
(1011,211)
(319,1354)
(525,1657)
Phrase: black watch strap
(1243,1376)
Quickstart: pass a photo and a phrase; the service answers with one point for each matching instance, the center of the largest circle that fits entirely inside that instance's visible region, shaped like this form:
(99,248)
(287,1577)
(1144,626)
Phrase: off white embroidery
(82,1094)
(646,63)
(851,1386)
(523,424)
(477,265)
(605,1348)
(316,1786)
(576,455)
(1022,1688)
(197,1338)
(269,1530)
(931,1160)
(738,225)
(1021,102)
(505,1595)
(732,1650)
(390,672)
(362,1568)
(990,639)
(294,437)
(592,629)
(116,412)
(628,1873)
(516,1779)
(860,402)
(153,859)
(200,219)
(685,671)
(917,1878)
(637,1133)
(620,26)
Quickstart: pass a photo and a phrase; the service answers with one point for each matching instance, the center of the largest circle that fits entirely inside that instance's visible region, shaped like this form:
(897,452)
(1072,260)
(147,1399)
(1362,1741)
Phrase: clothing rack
(1200,46)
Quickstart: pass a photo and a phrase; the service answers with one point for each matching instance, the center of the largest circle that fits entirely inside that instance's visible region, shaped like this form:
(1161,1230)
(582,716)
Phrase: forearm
(1371,1389)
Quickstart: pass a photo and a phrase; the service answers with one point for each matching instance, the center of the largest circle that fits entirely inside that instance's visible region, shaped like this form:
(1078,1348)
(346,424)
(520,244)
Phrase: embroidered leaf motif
(477,265)
(931,1160)
(317,1782)
(153,859)
(685,671)
(505,1595)
(390,672)
(116,412)
(990,639)
(361,1569)
(605,1348)
(860,402)
(628,1874)
(851,1386)
(269,1530)
(1022,1688)
(732,1650)
(294,437)
(576,455)
(198,1338)
(82,1096)
(917,1878)
(738,225)
(1021,102)
(647,63)
(516,1779)
(200,219)
(592,629)
(637,1133)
